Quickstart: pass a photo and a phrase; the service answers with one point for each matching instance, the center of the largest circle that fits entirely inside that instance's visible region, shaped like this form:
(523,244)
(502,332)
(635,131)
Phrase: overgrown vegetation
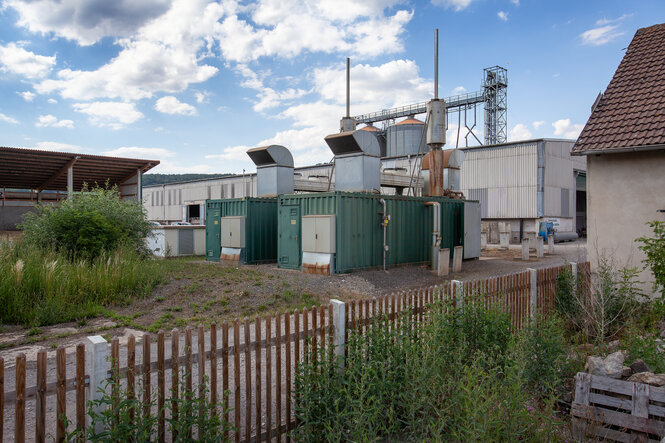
(599,307)
(41,287)
(654,248)
(190,417)
(460,376)
(92,222)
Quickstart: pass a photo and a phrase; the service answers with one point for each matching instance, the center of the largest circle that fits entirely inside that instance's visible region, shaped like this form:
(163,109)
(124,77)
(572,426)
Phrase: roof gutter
(619,150)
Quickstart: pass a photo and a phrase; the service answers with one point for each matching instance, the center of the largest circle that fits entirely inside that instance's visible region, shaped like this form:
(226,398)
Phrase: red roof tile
(631,112)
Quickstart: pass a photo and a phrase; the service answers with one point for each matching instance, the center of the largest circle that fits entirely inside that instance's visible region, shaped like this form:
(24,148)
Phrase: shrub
(453,377)
(654,248)
(92,222)
(645,346)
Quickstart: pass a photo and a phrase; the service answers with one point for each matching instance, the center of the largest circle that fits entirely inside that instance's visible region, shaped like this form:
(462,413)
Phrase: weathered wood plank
(600,415)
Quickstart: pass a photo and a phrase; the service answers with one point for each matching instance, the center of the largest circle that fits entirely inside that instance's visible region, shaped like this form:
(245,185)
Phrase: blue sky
(194,83)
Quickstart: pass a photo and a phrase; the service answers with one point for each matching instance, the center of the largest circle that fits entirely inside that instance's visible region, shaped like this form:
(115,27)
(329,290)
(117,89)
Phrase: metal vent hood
(274,170)
(357,160)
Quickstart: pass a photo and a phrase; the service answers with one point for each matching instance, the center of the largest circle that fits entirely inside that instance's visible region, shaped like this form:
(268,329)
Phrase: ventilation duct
(274,170)
(441,170)
(357,160)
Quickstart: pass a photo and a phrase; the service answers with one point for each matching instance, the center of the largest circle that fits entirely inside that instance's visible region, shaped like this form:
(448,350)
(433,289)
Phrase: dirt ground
(201,292)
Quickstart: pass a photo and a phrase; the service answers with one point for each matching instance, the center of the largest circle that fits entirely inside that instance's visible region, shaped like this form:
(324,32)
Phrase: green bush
(40,287)
(654,248)
(644,345)
(94,221)
(457,376)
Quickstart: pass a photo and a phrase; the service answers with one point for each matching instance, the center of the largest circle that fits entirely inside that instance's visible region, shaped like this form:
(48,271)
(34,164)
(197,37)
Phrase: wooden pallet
(617,410)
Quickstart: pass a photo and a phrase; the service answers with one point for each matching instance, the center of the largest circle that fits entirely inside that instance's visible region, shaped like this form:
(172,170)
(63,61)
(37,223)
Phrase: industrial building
(519,183)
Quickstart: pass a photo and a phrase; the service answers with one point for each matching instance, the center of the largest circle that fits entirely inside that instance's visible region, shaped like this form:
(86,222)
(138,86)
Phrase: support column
(97,355)
(70,182)
(139,186)
(525,249)
(550,243)
(540,246)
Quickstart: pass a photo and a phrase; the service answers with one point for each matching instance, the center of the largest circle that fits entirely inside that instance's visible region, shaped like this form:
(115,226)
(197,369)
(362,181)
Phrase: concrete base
(540,247)
(525,249)
(457,258)
(504,239)
(550,244)
(444,262)
(483,240)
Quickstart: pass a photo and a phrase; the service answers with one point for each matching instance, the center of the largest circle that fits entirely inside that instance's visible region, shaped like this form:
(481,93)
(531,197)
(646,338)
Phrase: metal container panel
(405,140)
(260,227)
(359,234)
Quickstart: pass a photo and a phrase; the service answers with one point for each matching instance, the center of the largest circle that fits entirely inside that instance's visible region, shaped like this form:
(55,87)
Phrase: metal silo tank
(406,138)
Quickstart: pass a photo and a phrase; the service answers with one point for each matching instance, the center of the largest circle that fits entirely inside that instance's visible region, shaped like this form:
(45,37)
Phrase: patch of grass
(162,323)
(174,309)
(160,298)
(34,331)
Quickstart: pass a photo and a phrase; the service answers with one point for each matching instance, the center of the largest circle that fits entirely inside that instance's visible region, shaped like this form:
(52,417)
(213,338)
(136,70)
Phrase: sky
(195,83)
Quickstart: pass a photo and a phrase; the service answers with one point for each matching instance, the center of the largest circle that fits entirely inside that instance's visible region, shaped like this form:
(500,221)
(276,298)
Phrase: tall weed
(41,287)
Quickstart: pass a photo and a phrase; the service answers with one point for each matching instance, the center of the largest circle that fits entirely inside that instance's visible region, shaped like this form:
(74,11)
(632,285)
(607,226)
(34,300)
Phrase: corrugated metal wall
(510,176)
(260,227)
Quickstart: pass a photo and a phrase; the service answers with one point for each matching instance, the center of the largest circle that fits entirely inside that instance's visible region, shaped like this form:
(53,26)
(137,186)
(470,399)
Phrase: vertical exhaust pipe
(436,64)
(347,123)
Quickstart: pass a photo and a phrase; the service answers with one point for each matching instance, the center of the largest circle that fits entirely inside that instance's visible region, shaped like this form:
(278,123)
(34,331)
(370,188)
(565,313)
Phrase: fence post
(97,357)
(533,291)
(339,325)
(458,290)
(573,269)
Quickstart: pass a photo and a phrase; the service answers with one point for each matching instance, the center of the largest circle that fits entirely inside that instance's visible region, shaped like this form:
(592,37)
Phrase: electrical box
(233,232)
(318,234)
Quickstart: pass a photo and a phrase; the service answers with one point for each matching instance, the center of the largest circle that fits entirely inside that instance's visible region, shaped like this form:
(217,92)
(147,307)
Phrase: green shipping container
(260,227)
(358,229)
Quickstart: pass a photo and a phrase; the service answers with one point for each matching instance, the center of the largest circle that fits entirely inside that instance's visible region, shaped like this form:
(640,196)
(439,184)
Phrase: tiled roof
(631,113)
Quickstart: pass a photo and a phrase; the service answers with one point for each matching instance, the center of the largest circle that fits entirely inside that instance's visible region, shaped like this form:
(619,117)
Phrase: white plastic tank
(405,138)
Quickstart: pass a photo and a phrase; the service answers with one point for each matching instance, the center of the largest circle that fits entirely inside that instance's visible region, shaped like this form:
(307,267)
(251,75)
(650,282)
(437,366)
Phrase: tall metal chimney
(274,170)
(348,123)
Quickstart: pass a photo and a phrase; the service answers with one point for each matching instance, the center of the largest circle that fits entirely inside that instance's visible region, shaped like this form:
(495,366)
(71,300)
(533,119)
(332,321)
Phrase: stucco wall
(624,192)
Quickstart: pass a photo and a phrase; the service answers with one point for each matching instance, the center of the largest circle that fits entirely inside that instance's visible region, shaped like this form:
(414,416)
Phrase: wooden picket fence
(256,361)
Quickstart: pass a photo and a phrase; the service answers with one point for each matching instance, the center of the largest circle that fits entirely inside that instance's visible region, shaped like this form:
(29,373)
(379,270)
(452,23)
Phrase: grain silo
(406,138)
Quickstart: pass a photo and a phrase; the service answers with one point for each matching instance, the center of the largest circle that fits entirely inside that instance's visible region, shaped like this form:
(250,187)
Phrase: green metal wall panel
(213,240)
(359,234)
(260,227)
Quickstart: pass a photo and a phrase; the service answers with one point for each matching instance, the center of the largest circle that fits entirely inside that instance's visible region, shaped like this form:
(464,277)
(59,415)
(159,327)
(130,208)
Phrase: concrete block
(525,249)
(550,243)
(540,247)
(504,239)
(483,241)
(338,329)
(444,262)
(458,253)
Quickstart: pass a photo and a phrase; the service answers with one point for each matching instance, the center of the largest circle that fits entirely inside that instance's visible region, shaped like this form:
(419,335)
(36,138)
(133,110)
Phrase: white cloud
(287,28)
(458,90)
(232,153)
(515,2)
(173,167)
(163,56)
(142,153)
(110,114)
(52,101)
(17,60)
(86,21)
(502,15)
(201,97)
(171,105)
(519,132)
(605,20)
(537,124)
(57,146)
(51,121)
(457,5)
(601,35)
(564,128)
(8,119)
(27,95)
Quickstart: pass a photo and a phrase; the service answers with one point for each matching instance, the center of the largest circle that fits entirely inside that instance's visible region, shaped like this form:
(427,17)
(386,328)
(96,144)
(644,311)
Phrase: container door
(289,237)
(213,234)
